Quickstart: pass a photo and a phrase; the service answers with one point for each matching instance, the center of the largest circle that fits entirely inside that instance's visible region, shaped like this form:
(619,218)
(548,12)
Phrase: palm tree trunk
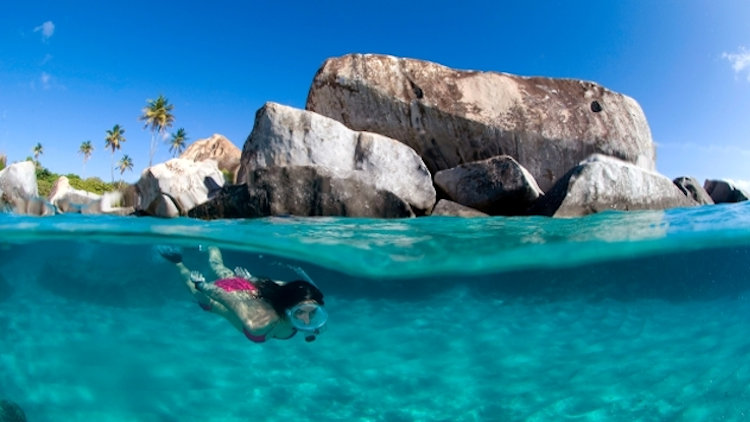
(112,167)
(152,150)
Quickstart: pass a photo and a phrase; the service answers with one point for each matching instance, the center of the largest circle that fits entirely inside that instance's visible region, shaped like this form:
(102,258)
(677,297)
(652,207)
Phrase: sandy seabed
(453,357)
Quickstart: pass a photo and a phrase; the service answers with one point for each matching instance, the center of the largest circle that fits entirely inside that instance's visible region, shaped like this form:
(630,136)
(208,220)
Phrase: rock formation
(378,128)
(172,188)
(690,187)
(303,191)
(445,207)
(496,186)
(724,191)
(287,137)
(603,183)
(217,148)
(450,117)
(18,186)
(67,199)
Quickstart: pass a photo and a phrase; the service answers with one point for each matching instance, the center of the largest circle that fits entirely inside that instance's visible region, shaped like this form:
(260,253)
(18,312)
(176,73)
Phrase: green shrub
(228,176)
(3,161)
(45,179)
(91,184)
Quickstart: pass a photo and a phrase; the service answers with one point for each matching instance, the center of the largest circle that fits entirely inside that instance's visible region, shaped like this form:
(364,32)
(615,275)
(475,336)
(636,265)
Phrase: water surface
(616,316)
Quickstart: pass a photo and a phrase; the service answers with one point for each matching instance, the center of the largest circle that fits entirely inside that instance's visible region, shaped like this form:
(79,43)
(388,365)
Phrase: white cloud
(46,78)
(740,61)
(47,29)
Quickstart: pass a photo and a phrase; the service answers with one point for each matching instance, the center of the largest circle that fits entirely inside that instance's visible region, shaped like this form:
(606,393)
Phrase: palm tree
(158,116)
(125,163)
(177,144)
(86,149)
(38,150)
(113,141)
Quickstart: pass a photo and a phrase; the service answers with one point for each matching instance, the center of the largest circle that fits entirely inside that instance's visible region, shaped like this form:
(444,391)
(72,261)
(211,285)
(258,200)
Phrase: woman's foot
(170,253)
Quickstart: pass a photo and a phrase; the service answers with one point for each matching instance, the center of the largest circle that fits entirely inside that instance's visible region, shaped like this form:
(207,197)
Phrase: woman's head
(284,296)
(299,301)
(304,308)
(298,291)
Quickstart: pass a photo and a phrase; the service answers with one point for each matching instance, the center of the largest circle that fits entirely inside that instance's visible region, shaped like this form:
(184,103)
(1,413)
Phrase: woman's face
(305,313)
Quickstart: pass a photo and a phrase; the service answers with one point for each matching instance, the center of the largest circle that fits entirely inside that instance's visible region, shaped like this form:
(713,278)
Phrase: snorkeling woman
(260,308)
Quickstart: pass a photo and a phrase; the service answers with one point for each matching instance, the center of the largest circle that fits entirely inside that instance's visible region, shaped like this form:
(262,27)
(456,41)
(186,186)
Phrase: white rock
(68,199)
(602,183)
(172,188)
(284,137)
(18,186)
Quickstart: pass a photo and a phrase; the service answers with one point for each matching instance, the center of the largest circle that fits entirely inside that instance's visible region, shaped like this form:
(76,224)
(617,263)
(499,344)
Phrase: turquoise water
(616,316)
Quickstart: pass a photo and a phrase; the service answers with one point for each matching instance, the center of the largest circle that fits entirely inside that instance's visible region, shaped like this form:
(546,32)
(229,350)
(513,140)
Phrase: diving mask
(307,317)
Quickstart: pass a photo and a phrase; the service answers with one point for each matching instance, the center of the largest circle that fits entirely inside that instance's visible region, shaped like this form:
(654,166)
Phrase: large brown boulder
(217,148)
(603,183)
(451,117)
(496,186)
(304,191)
(288,137)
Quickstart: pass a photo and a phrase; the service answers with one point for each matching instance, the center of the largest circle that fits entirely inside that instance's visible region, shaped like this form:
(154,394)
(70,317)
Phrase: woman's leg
(191,278)
(217,263)
(185,273)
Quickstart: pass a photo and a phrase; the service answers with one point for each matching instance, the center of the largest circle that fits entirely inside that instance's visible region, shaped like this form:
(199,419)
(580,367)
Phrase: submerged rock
(450,117)
(603,183)
(11,412)
(724,191)
(690,187)
(496,186)
(288,137)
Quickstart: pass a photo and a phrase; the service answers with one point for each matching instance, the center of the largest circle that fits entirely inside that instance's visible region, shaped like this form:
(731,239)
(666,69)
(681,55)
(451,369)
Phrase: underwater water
(615,316)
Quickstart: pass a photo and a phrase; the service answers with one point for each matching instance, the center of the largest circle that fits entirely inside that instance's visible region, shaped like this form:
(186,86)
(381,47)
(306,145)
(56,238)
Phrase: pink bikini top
(235,284)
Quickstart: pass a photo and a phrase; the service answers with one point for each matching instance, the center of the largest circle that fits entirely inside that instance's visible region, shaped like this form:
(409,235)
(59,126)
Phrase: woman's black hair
(283,296)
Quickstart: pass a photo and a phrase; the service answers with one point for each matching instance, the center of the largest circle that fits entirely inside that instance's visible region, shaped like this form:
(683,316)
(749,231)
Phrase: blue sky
(71,70)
